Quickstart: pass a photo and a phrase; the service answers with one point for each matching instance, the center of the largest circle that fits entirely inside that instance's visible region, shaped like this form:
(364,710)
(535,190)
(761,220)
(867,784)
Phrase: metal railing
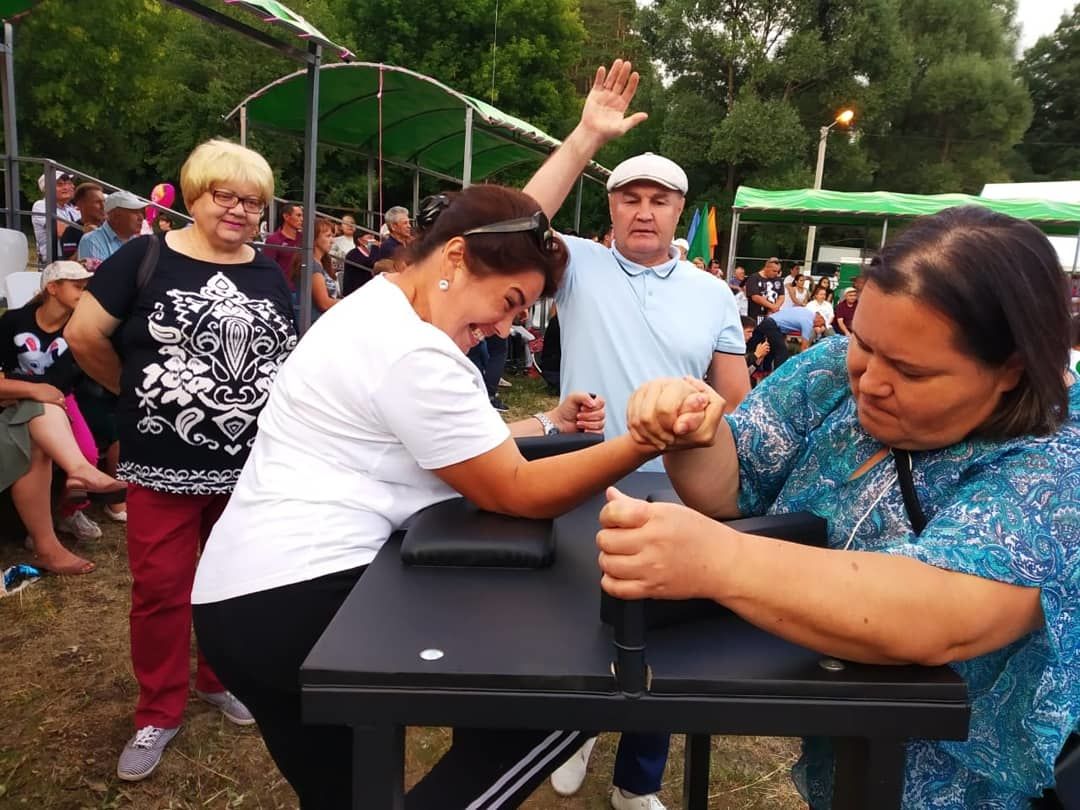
(51,169)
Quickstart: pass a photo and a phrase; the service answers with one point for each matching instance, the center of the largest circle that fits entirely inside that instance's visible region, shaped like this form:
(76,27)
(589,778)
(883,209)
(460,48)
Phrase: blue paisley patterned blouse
(1007,511)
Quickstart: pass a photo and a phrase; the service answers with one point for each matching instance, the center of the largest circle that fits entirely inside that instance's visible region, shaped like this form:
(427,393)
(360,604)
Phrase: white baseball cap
(64,271)
(681,243)
(123,199)
(59,177)
(649,168)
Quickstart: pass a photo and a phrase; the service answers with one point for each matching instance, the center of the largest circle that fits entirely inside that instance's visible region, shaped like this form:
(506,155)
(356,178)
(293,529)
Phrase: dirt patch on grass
(67,696)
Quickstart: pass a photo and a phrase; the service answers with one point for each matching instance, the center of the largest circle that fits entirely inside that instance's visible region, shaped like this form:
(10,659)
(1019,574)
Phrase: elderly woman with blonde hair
(202,322)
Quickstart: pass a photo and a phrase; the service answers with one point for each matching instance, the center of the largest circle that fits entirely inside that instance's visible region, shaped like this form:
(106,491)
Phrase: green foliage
(965,110)
(1051,68)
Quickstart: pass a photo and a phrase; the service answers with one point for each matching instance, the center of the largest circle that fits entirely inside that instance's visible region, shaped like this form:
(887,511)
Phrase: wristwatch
(549,427)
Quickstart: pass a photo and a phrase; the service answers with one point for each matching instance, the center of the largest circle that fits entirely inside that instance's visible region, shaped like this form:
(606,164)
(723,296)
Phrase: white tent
(1067,191)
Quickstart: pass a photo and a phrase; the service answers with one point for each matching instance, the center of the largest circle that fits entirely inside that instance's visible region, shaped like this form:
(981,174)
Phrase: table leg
(379,767)
(869,773)
(696,772)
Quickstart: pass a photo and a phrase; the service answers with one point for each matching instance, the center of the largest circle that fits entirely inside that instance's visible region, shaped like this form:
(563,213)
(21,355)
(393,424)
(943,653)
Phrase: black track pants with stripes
(256,644)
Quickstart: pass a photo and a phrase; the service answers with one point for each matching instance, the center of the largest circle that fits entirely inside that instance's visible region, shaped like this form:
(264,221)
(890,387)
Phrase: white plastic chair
(21,287)
(13,252)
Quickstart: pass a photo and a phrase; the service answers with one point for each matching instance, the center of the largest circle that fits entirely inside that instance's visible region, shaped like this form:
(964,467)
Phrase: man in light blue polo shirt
(629,314)
(123,220)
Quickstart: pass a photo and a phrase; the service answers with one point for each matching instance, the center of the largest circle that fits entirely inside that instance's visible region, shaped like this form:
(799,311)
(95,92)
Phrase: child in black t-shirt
(41,422)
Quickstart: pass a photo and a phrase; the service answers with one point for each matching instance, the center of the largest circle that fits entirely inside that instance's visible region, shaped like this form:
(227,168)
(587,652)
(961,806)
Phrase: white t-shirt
(822,308)
(371,400)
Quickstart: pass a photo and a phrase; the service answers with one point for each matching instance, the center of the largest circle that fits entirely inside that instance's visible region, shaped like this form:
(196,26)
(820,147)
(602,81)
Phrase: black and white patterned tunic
(200,345)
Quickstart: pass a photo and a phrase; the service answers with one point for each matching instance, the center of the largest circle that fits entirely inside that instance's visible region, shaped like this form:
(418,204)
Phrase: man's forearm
(553,181)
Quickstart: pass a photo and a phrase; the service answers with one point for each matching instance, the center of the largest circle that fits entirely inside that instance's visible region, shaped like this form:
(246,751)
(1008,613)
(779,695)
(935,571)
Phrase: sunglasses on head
(537,224)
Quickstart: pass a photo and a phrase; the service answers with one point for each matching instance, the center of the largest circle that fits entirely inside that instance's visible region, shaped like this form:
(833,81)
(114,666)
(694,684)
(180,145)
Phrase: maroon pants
(165,534)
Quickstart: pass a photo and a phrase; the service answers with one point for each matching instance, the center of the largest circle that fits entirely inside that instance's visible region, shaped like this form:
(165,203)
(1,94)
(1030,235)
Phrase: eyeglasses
(537,224)
(229,199)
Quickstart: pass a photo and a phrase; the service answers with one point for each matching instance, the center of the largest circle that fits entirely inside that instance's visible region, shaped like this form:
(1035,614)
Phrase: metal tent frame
(428,128)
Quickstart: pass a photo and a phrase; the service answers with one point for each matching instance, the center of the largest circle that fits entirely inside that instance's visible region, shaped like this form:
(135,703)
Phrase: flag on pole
(695,223)
(713,238)
(699,245)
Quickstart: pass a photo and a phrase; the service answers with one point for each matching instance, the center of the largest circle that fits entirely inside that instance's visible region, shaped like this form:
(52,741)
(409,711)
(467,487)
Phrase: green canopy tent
(404,118)
(809,207)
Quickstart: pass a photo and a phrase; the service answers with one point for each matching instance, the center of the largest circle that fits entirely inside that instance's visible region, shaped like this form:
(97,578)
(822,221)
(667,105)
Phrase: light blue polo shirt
(100,243)
(791,318)
(623,324)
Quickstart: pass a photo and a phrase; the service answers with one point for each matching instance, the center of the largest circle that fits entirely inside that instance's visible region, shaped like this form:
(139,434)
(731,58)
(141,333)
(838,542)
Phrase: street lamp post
(844,117)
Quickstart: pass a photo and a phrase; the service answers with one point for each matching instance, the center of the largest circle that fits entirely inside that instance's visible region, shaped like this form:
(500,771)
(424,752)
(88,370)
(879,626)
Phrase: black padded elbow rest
(458,533)
(536,447)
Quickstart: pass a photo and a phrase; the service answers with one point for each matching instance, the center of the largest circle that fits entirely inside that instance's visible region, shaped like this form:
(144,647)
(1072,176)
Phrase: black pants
(256,644)
(768,332)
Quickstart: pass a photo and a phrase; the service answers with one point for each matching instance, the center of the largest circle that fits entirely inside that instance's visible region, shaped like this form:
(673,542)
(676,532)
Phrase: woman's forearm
(707,478)
(871,607)
(551,486)
(526,427)
(97,358)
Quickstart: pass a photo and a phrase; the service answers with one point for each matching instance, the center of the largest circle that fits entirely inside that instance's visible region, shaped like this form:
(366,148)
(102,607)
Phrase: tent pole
(50,212)
(371,194)
(466,164)
(416,191)
(577,205)
(884,233)
(311,142)
(1076,253)
(243,125)
(731,245)
(11,138)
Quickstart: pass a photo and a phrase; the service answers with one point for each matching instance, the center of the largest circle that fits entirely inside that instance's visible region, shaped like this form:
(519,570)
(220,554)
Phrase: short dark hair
(287,209)
(748,322)
(488,253)
(83,189)
(999,281)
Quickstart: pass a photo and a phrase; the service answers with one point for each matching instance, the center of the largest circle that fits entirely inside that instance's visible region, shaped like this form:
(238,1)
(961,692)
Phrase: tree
(1051,68)
(965,108)
(753,80)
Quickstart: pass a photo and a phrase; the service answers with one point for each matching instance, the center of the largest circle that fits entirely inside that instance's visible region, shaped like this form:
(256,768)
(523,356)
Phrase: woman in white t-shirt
(377,414)
(820,305)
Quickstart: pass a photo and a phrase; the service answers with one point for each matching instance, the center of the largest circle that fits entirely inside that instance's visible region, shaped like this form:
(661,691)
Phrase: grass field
(67,695)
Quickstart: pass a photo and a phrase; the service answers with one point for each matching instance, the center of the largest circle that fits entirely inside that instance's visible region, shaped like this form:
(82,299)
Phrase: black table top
(540,630)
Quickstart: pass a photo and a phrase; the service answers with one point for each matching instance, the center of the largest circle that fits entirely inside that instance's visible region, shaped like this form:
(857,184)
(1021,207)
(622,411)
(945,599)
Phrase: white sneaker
(620,800)
(79,525)
(142,754)
(566,780)
(505,383)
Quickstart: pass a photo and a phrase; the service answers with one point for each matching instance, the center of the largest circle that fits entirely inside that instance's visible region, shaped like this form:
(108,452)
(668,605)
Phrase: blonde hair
(220,161)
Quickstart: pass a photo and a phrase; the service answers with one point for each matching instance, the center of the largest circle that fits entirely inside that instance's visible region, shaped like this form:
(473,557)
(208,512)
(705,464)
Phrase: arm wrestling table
(527,649)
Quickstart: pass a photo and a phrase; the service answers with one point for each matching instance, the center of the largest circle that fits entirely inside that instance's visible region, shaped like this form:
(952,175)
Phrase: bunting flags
(695,223)
(699,245)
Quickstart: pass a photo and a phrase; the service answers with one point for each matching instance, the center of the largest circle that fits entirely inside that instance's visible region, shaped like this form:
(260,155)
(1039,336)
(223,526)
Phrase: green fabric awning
(811,207)
(10,9)
(423,120)
(271,11)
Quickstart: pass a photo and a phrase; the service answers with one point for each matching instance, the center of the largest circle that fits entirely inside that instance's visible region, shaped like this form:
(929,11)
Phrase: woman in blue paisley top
(955,357)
